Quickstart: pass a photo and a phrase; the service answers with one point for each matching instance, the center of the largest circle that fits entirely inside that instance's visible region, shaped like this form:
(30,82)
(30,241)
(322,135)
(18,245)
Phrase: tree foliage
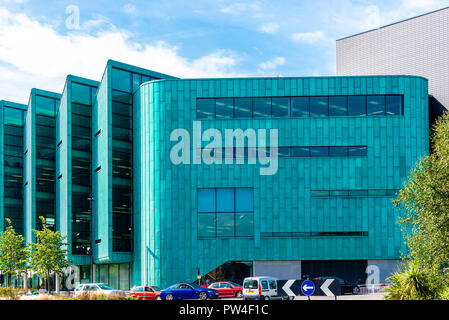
(13,252)
(48,254)
(425,219)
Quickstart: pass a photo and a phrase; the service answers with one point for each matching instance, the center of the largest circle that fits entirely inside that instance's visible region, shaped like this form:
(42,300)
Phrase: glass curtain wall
(81,125)
(123,84)
(13,126)
(46,160)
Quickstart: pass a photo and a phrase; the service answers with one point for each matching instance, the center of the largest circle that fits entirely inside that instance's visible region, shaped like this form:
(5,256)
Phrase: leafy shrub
(412,282)
(11,293)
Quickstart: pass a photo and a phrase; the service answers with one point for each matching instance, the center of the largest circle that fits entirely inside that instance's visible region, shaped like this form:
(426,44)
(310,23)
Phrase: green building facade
(97,163)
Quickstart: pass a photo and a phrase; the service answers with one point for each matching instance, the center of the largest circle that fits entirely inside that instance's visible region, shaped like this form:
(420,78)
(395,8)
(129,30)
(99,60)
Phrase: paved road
(374,296)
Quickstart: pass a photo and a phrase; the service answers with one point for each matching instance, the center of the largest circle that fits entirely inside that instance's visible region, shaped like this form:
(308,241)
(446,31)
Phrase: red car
(227,289)
(145,292)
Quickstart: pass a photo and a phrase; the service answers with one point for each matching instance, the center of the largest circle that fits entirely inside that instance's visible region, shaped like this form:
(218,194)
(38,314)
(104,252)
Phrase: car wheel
(239,294)
(202,295)
(266,298)
(355,290)
(169,297)
(158,298)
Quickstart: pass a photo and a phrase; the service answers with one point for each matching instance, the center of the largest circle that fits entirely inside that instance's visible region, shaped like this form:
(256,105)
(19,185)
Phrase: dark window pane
(280,107)
(205,108)
(122,109)
(284,152)
(339,193)
(122,97)
(82,121)
(319,151)
(206,225)
(358,193)
(338,151)
(244,224)
(377,193)
(394,105)
(121,121)
(224,108)
(376,105)
(301,152)
(45,105)
(300,107)
(81,109)
(81,93)
(319,193)
(357,106)
(357,151)
(122,134)
(319,106)
(243,107)
(225,225)
(338,106)
(121,80)
(14,116)
(262,107)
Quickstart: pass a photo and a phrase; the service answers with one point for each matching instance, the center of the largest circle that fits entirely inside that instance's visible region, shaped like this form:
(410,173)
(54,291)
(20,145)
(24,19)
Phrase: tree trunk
(9,280)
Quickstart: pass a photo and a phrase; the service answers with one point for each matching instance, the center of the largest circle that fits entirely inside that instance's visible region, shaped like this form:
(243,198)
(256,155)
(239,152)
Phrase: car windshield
(105,287)
(251,284)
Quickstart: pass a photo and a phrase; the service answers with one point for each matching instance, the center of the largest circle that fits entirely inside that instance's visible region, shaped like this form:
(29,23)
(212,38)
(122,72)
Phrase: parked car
(227,289)
(181,291)
(91,288)
(146,293)
(346,286)
(261,288)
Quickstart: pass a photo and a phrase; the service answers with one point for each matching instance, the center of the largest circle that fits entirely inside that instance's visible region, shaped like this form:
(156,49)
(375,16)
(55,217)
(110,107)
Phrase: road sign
(328,287)
(291,288)
(308,288)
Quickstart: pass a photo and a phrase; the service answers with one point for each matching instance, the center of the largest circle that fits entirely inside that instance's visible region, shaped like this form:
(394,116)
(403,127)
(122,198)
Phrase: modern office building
(417,46)
(99,164)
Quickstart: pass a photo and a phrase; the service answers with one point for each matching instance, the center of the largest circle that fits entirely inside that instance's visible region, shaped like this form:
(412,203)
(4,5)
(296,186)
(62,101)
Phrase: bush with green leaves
(425,224)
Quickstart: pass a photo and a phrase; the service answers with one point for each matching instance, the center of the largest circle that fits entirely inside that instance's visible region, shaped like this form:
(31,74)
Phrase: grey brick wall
(418,46)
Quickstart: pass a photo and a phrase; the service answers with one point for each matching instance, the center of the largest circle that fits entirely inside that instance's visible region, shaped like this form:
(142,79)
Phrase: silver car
(92,288)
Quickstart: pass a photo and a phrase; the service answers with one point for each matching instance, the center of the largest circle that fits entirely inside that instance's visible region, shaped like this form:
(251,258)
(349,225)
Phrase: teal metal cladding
(167,247)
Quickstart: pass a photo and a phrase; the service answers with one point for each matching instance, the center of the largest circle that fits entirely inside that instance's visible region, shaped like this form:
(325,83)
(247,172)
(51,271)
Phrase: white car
(261,288)
(91,288)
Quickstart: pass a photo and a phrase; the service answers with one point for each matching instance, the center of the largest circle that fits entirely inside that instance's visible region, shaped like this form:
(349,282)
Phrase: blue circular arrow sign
(307,287)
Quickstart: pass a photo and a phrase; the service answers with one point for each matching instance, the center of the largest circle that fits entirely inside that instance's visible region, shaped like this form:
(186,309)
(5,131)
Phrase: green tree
(13,252)
(425,219)
(48,254)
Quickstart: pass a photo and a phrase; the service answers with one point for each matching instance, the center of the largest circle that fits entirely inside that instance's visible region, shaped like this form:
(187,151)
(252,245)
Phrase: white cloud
(36,55)
(418,4)
(272,64)
(240,7)
(270,28)
(129,8)
(308,37)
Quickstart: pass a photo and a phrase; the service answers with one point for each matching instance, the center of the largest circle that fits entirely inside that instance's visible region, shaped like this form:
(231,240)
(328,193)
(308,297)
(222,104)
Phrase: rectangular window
(376,105)
(338,106)
(81,93)
(301,107)
(357,106)
(394,106)
(225,212)
(262,107)
(319,151)
(45,106)
(360,151)
(121,80)
(205,109)
(243,107)
(224,108)
(280,107)
(338,151)
(301,152)
(319,106)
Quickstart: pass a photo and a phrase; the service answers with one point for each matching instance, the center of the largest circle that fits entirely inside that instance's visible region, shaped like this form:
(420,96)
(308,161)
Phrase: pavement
(372,296)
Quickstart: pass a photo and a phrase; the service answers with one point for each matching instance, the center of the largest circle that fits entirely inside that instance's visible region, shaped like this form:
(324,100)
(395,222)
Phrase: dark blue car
(181,291)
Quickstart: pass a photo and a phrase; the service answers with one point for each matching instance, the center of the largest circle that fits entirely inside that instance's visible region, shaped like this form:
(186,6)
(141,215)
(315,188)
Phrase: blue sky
(43,41)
